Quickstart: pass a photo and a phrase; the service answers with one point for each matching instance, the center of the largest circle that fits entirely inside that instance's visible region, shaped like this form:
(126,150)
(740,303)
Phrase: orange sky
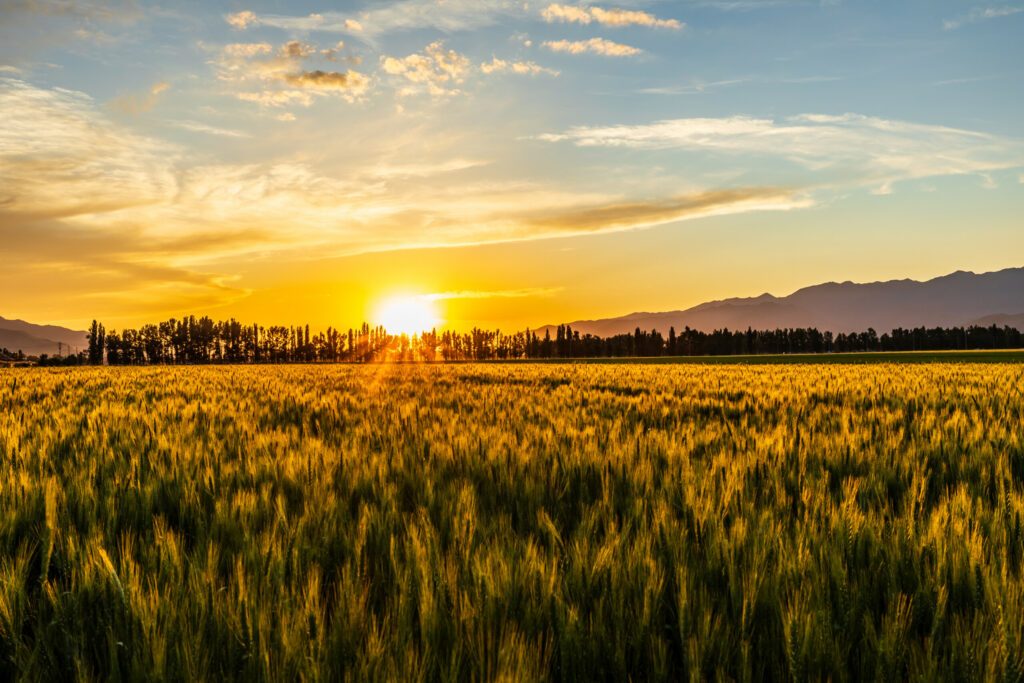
(515,165)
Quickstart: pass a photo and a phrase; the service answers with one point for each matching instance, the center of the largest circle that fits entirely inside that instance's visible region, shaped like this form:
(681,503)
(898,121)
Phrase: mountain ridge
(952,300)
(33,340)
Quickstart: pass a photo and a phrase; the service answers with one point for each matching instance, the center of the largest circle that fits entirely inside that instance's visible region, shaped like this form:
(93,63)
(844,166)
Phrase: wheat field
(513,522)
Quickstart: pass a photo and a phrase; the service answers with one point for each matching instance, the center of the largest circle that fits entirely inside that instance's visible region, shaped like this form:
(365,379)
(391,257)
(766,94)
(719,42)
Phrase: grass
(514,522)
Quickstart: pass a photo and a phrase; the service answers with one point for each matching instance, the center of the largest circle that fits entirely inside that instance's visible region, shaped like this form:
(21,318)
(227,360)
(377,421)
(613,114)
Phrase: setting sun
(407,315)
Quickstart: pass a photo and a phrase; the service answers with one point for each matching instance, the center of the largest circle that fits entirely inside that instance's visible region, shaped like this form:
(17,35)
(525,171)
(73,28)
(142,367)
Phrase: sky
(514,163)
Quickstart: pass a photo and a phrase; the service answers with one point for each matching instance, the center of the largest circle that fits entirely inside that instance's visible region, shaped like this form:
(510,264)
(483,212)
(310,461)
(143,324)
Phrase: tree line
(192,340)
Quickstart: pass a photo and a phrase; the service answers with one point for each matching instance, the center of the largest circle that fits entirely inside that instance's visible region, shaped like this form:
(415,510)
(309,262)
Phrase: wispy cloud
(106,10)
(632,215)
(697,88)
(597,46)
(140,103)
(981,14)
(607,17)
(247,50)
(422,170)
(704,87)
(750,5)
(200,127)
(966,80)
(873,150)
(516,67)
(59,157)
(450,16)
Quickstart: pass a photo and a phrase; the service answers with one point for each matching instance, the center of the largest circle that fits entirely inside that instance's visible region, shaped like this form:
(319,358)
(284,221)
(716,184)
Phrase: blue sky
(522,162)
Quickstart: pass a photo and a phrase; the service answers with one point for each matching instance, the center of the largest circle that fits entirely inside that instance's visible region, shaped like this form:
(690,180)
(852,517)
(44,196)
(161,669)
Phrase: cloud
(333,54)
(110,273)
(450,16)
(138,104)
(749,5)
(277,98)
(606,17)
(295,49)
(631,215)
(247,50)
(106,10)
(139,221)
(980,14)
(281,74)
(199,127)
(871,150)
(597,46)
(351,83)
(525,293)
(698,88)
(241,20)
(69,179)
(422,170)
(436,70)
(526,68)
(59,157)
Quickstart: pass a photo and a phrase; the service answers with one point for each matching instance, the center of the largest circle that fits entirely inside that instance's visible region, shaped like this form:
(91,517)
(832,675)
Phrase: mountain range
(960,298)
(33,340)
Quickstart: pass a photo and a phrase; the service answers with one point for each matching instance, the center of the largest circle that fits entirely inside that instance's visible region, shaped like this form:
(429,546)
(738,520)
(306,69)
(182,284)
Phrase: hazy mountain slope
(960,298)
(36,339)
(1002,320)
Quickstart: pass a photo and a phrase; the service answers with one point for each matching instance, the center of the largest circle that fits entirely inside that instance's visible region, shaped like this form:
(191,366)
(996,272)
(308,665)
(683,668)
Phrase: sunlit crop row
(475,522)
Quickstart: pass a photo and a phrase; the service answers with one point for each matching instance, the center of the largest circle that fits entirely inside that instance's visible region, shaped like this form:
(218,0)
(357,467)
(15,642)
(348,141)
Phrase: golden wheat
(482,522)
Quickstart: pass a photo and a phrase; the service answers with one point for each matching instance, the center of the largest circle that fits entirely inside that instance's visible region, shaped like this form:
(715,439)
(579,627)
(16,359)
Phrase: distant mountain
(1001,320)
(18,335)
(961,298)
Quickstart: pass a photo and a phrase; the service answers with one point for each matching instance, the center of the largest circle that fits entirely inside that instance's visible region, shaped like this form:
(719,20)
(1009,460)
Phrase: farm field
(858,521)
(984,356)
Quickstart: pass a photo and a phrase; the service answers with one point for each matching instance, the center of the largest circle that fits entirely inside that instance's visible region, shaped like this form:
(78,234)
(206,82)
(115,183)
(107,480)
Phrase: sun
(407,315)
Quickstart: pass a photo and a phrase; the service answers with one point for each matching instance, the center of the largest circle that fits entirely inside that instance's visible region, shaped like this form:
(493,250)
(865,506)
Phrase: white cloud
(525,68)
(607,17)
(877,151)
(981,14)
(436,70)
(241,20)
(597,46)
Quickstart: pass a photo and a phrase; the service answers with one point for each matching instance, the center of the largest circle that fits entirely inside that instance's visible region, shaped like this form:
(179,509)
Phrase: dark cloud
(328,80)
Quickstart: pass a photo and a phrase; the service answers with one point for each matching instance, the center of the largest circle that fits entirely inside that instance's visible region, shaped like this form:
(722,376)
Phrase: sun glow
(407,315)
